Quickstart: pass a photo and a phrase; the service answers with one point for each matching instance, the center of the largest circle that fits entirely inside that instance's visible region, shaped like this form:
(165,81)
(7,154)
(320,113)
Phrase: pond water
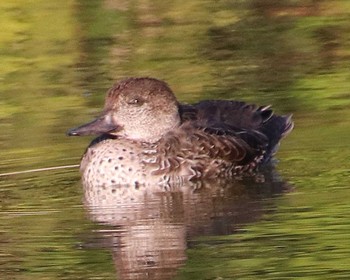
(58,58)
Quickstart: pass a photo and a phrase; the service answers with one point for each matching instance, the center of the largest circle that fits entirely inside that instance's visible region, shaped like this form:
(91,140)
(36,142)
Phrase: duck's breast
(113,161)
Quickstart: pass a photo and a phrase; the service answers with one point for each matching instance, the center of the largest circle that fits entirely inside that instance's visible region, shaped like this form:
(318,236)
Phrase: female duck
(147,137)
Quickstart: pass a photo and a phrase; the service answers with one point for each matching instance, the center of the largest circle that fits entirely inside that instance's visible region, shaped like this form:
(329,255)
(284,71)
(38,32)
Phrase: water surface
(58,59)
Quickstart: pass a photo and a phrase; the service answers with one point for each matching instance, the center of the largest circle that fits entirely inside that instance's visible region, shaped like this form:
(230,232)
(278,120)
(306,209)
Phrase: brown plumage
(147,137)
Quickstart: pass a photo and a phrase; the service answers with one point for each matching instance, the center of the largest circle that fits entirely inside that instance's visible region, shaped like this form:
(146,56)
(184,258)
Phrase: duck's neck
(153,132)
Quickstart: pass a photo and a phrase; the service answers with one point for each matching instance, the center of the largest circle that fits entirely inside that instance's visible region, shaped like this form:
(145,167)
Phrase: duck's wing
(217,138)
(231,113)
(236,145)
(204,152)
(235,116)
(275,129)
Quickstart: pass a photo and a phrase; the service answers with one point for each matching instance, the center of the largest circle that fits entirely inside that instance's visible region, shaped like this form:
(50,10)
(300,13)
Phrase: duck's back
(236,117)
(233,113)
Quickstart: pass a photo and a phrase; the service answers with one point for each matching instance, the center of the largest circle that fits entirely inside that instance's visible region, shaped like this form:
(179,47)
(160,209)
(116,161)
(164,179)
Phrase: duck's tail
(276,128)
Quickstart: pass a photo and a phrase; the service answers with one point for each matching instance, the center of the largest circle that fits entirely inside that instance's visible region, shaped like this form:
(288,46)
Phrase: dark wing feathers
(233,113)
(226,136)
(275,129)
(247,121)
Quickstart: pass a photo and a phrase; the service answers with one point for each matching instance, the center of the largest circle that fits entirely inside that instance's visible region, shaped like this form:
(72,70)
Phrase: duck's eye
(136,101)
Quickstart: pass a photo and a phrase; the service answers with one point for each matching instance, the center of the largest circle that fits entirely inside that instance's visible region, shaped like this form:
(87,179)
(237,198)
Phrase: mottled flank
(146,137)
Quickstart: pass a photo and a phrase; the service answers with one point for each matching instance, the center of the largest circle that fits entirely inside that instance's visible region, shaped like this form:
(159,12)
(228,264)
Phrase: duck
(144,136)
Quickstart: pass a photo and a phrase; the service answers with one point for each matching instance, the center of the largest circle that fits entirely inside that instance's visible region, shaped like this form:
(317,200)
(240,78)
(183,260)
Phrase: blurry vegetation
(292,52)
(38,53)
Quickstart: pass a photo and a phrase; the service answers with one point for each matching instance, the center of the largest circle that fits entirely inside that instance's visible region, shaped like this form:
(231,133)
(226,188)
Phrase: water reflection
(148,231)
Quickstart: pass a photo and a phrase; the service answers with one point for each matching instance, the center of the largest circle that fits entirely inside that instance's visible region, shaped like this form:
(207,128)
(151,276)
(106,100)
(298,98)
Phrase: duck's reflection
(148,228)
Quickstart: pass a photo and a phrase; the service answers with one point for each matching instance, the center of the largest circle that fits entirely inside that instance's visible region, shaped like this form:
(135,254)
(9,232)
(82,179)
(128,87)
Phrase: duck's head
(136,108)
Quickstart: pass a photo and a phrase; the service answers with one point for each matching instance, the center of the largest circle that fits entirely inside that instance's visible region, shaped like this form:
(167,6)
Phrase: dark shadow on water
(149,230)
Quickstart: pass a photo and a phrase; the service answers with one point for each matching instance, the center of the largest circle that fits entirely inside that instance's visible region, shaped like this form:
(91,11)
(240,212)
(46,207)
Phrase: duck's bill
(98,126)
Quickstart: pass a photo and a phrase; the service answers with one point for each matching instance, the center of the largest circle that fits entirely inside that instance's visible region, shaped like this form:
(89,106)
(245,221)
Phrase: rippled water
(57,60)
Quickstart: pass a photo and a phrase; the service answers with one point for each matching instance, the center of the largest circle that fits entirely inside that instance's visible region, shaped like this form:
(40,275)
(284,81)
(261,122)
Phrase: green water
(58,58)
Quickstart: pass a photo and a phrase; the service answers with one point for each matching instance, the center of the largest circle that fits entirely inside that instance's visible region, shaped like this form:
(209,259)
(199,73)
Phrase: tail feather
(275,129)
